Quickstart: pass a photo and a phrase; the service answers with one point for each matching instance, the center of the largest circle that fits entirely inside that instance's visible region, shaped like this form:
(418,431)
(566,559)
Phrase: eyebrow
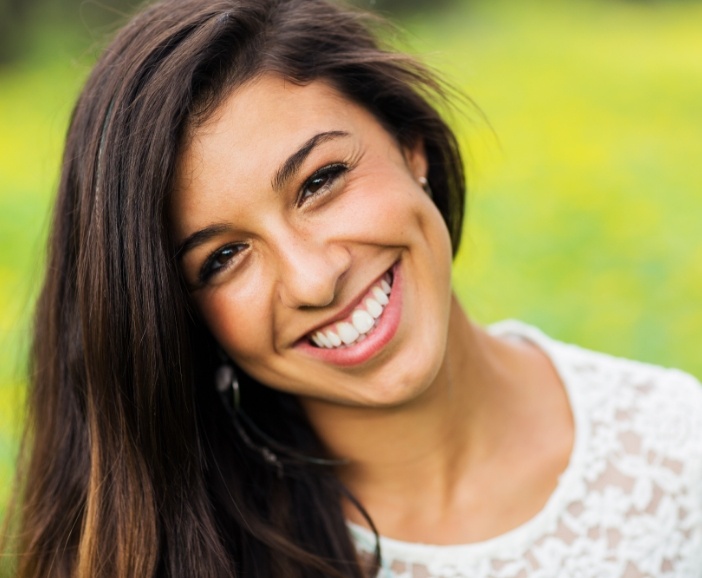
(292,165)
(200,237)
(287,171)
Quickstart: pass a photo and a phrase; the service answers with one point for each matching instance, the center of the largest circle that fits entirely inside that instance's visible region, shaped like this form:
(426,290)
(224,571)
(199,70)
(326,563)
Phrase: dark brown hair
(132,465)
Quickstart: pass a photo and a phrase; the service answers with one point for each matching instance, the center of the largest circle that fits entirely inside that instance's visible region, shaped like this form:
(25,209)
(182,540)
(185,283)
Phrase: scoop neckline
(544,519)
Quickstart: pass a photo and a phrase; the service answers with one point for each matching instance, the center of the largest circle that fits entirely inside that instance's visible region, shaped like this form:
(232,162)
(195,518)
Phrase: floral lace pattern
(628,505)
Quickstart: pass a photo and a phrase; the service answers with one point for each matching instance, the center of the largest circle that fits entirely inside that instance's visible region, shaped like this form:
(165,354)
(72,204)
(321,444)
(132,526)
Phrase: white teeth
(347,332)
(323,339)
(362,321)
(333,338)
(380,296)
(374,308)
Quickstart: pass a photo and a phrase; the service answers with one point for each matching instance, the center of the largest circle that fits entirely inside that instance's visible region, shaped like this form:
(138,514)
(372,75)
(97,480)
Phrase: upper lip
(346,311)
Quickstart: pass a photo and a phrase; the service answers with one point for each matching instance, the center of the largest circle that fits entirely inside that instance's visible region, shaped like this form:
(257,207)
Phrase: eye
(321,181)
(219,260)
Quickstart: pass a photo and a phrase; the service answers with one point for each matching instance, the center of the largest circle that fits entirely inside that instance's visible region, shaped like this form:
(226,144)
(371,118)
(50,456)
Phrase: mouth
(360,323)
(365,331)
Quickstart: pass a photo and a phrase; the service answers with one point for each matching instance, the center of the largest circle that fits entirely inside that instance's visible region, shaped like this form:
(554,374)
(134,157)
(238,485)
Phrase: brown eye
(321,181)
(316,184)
(219,260)
(223,256)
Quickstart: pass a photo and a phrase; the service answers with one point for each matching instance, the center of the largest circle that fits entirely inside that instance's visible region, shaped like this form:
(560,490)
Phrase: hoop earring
(226,379)
(227,384)
(425,185)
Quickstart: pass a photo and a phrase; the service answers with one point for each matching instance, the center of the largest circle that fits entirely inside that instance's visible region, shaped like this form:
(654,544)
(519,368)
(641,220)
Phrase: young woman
(248,360)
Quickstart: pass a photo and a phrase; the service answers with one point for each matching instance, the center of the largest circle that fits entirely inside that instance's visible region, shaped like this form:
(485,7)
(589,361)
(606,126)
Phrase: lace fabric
(629,503)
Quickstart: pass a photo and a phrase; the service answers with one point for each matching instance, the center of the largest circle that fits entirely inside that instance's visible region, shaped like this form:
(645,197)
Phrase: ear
(416,158)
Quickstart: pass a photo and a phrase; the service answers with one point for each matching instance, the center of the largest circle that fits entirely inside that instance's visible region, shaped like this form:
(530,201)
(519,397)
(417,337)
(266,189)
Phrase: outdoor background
(585,187)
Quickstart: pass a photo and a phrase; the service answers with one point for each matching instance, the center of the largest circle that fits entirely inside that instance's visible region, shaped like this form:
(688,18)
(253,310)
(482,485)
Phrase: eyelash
(330,173)
(207,271)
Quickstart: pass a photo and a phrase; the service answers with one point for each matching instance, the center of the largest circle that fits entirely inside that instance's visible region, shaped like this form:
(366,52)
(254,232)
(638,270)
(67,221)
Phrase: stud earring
(425,185)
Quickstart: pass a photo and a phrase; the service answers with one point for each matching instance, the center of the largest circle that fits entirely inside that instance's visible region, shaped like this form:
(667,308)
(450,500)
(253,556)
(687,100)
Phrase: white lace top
(628,505)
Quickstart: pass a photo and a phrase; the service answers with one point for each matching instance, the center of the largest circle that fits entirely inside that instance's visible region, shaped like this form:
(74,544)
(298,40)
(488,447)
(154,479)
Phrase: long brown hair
(132,465)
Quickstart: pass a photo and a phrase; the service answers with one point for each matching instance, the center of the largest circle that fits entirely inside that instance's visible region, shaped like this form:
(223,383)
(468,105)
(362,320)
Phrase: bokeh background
(584,164)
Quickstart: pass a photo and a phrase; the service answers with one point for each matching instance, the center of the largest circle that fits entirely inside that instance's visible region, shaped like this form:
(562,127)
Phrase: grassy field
(585,204)
(585,193)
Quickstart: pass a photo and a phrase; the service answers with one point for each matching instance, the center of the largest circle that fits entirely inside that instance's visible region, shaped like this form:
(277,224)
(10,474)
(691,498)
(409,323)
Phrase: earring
(425,185)
(226,378)
(226,381)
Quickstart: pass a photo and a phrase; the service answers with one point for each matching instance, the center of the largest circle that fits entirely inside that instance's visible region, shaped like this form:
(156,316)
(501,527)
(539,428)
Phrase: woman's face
(312,252)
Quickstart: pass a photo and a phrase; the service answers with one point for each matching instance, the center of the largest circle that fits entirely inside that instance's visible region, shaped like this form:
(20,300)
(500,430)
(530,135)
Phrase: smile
(362,320)
(366,331)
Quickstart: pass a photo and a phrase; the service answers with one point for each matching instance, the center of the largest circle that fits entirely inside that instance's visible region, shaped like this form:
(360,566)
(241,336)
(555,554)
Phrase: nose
(310,270)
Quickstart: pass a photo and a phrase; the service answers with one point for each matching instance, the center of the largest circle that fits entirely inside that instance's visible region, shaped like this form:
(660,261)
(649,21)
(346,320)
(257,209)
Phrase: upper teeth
(360,322)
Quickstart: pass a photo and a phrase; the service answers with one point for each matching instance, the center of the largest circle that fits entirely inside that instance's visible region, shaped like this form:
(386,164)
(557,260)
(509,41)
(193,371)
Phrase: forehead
(254,100)
(259,122)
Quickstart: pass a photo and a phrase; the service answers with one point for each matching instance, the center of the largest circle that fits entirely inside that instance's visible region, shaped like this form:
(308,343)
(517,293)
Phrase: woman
(248,360)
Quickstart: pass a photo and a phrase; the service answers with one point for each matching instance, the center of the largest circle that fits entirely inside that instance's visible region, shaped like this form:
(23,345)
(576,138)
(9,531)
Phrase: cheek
(239,319)
(386,211)
(412,220)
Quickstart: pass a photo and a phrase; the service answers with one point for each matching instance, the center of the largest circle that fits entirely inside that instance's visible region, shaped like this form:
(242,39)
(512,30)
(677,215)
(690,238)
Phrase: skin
(452,436)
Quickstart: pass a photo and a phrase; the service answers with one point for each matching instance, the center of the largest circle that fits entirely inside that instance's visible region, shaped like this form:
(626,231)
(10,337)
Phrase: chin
(403,387)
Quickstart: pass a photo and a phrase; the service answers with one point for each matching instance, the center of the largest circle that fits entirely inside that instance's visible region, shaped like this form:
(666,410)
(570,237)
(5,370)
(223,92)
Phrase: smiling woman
(248,359)
(297,270)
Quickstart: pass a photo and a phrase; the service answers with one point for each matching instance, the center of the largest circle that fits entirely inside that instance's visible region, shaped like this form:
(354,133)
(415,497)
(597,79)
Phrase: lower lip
(384,330)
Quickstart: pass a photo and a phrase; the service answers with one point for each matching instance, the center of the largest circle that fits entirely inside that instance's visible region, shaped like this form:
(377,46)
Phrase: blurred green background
(585,185)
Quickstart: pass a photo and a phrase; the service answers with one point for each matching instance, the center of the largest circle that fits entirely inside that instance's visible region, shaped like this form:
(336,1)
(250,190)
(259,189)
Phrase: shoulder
(636,467)
(662,405)
(638,417)
(665,403)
